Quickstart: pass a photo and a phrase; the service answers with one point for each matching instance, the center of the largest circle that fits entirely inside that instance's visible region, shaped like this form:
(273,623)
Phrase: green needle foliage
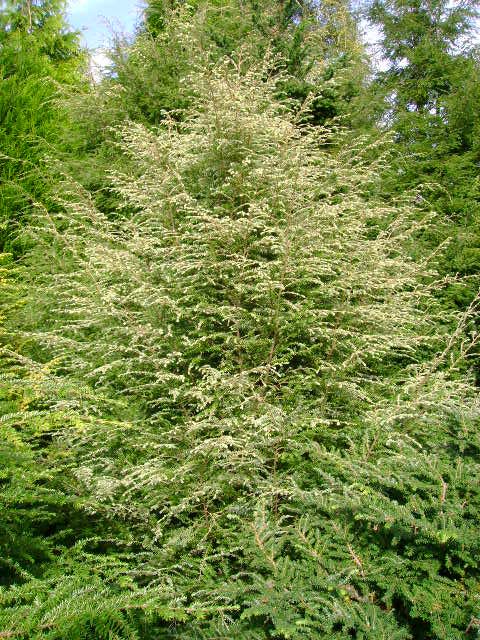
(264,407)
(318,43)
(432,92)
(39,56)
(318,47)
(319,58)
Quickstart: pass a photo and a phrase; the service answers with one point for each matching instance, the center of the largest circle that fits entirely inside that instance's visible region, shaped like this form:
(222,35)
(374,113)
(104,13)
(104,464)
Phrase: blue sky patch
(97,19)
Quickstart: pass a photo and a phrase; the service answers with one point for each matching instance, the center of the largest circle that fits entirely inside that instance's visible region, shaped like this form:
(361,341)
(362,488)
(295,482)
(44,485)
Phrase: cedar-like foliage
(258,388)
(39,58)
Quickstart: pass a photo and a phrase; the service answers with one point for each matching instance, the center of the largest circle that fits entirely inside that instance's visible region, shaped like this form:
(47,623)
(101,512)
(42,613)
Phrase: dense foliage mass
(38,57)
(432,94)
(238,398)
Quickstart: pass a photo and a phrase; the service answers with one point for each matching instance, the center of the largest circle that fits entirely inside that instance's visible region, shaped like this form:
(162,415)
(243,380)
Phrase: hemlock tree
(433,99)
(319,44)
(422,40)
(259,384)
(318,48)
(38,55)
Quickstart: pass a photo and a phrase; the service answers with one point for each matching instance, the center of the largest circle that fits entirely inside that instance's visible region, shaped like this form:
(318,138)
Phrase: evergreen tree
(259,384)
(432,90)
(318,46)
(319,60)
(232,404)
(38,55)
